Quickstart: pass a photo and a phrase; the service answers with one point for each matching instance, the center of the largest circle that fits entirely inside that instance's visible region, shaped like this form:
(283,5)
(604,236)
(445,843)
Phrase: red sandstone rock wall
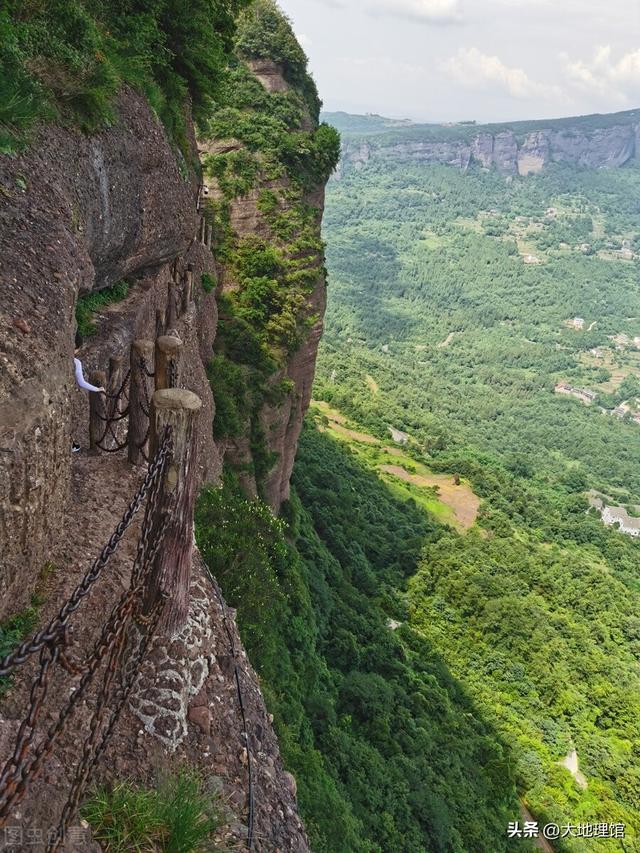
(76,213)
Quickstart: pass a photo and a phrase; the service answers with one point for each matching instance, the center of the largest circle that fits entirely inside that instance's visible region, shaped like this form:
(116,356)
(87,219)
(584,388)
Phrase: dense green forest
(459,304)
(389,751)
(431,265)
(429,678)
(451,318)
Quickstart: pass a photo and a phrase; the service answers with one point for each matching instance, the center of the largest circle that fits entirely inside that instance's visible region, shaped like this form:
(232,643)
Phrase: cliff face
(263,202)
(78,214)
(508,151)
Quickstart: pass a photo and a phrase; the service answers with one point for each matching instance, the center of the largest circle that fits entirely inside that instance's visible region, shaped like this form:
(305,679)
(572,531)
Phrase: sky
(457,60)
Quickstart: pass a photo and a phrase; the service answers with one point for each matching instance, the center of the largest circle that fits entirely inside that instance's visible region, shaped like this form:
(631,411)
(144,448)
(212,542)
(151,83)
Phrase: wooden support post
(140,393)
(168,349)
(187,289)
(97,408)
(203,228)
(159,322)
(171,574)
(116,375)
(209,237)
(172,306)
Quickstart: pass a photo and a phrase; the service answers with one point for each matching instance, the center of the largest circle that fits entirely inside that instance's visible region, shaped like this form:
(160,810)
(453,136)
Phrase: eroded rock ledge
(506,151)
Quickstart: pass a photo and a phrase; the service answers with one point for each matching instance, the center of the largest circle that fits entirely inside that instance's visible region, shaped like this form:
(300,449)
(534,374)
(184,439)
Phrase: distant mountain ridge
(525,147)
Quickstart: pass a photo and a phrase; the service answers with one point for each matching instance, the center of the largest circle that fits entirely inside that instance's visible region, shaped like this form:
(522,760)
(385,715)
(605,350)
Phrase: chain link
(117,444)
(121,392)
(113,416)
(145,369)
(127,617)
(53,630)
(146,405)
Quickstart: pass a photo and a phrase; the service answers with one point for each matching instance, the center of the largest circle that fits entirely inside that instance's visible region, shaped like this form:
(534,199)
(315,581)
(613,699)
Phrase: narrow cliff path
(185,710)
(197,725)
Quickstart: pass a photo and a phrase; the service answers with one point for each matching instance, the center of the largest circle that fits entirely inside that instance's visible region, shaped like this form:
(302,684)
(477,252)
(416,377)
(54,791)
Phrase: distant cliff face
(508,151)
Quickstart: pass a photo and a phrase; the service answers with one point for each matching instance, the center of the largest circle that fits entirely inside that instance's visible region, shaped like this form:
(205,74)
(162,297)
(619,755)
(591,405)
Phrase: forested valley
(453,630)
(443,612)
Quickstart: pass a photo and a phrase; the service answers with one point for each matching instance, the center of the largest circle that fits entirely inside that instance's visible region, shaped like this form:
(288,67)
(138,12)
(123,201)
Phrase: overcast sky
(490,60)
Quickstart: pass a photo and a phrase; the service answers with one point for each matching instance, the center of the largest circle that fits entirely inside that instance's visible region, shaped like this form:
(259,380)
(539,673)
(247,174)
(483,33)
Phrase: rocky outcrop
(269,73)
(507,151)
(534,154)
(76,213)
(184,711)
(187,701)
(482,150)
(281,423)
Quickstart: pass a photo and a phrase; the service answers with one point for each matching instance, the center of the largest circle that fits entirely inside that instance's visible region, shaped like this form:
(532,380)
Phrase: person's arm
(82,383)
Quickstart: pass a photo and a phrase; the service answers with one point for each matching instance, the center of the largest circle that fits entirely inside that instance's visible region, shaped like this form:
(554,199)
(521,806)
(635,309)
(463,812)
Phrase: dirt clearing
(461,499)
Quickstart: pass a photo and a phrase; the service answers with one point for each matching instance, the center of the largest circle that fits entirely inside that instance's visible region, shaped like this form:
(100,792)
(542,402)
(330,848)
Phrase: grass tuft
(178,817)
(208,282)
(15,630)
(86,306)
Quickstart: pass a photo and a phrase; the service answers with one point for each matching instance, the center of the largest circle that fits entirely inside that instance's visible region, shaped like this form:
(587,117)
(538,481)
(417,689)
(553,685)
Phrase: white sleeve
(82,383)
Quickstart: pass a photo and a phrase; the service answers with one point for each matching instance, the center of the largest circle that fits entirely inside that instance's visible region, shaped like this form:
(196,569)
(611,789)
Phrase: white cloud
(477,70)
(615,80)
(423,11)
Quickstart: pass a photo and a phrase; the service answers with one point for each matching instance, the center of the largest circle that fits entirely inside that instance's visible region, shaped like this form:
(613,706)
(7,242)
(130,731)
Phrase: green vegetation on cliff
(66,60)
(87,305)
(282,148)
(388,751)
(268,153)
(267,34)
(178,816)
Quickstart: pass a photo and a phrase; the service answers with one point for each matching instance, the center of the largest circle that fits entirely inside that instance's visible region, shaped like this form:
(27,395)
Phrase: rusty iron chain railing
(114,416)
(123,642)
(173,374)
(146,407)
(145,368)
(122,392)
(52,631)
